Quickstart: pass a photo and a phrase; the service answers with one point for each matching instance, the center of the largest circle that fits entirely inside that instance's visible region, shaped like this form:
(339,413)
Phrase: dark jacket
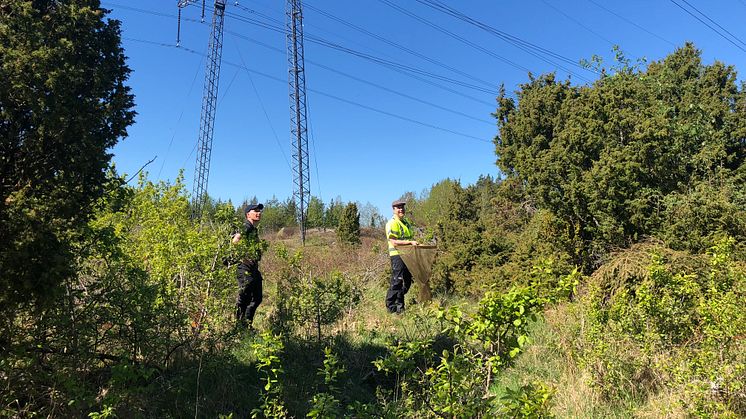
(251,236)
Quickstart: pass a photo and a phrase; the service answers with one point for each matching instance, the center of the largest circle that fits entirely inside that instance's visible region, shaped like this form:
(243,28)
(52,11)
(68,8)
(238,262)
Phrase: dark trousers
(401,280)
(249,292)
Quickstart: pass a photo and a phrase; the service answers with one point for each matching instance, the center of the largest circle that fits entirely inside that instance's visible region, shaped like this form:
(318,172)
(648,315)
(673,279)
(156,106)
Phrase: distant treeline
(278,214)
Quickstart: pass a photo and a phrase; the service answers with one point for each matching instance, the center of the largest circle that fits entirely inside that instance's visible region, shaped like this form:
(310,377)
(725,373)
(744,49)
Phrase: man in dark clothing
(248,276)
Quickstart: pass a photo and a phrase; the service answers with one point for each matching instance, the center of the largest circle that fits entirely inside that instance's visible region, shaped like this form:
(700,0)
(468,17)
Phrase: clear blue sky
(375,133)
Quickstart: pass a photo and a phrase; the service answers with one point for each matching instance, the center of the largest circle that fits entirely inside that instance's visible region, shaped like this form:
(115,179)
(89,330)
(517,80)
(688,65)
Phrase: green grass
(548,360)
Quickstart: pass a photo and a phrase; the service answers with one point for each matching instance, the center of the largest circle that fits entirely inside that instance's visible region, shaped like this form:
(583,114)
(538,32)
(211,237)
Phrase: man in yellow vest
(399,232)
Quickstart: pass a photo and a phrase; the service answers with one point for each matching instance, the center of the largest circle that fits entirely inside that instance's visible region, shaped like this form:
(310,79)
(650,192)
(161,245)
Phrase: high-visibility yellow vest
(398,229)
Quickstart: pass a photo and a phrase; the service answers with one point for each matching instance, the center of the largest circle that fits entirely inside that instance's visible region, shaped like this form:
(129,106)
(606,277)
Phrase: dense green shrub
(456,382)
(308,303)
(605,157)
(693,220)
(150,294)
(267,350)
(491,237)
(469,249)
(669,326)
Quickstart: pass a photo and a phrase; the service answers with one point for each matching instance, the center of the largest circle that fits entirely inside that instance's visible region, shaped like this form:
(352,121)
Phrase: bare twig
(141,168)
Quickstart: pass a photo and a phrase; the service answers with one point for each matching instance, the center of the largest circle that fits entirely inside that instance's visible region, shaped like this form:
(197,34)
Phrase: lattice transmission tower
(209,103)
(298,111)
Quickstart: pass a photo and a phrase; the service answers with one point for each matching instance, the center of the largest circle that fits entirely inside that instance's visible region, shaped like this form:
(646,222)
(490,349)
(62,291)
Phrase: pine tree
(348,230)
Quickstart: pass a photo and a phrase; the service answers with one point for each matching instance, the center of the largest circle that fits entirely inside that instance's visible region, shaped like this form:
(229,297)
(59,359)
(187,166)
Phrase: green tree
(290,213)
(348,230)
(273,215)
(461,236)
(604,157)
(315,214)
(427,210)
(333,213)
(63,105)
(149,290)
(370,216)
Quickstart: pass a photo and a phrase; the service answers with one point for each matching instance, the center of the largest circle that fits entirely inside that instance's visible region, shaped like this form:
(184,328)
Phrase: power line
(631,22)
(264,109)
(403,118)
(707,24)
(350,102)
(714,22)
(579,23)
(378,86)
(456,36)
(533,49)
(399,67)
(399,46)
(393,66)
(530,48)
(178,121)
(280,30)
(386,63)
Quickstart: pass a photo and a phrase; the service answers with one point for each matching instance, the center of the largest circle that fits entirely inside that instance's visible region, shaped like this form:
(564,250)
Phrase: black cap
(398,202)
(257,207)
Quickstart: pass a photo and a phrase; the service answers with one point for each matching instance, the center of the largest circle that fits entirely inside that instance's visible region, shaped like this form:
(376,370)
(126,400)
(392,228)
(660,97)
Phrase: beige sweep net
(419,260)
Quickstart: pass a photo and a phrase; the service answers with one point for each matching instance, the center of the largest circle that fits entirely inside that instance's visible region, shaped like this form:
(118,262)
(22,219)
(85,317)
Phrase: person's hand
(236,238)
(413,242)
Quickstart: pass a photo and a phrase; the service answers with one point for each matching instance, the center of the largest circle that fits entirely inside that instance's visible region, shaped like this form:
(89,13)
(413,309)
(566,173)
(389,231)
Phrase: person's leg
(242,299)
(394,294)
(255,288)
(406,284)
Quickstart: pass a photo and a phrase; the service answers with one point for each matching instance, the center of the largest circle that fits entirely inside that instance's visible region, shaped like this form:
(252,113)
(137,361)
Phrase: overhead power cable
(708,25)
(528,47)
(350,102)
(178,121)
(715,23)
(401,68)
(631,22)
(378,86)
(312,39)
(398,46)
(378,60)
(395,67)
(457,37)
(264,109)
(579,23)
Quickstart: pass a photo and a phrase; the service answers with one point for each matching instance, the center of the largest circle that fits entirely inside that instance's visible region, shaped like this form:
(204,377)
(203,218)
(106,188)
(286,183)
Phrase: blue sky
(375,133)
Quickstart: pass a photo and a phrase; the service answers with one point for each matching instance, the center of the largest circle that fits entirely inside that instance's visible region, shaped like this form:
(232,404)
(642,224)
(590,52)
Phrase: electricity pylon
(209,104)
(298,111)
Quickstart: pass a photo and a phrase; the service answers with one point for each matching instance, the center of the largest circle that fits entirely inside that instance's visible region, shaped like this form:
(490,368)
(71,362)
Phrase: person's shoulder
(248,227)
